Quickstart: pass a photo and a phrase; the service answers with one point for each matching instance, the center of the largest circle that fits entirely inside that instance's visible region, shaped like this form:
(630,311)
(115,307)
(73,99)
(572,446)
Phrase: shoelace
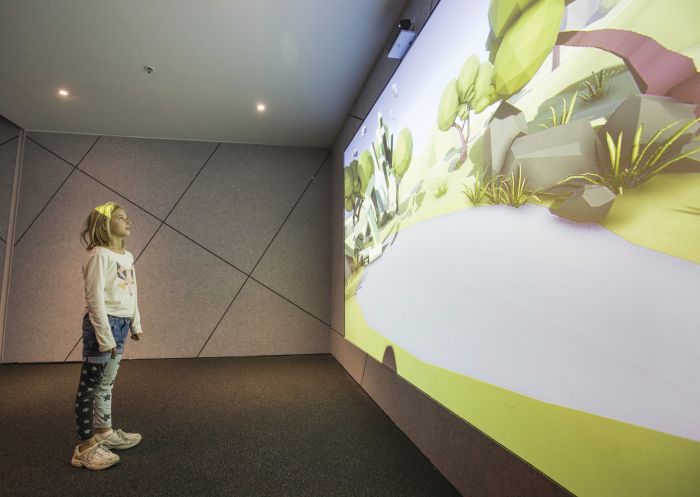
(121,434)
(97,452)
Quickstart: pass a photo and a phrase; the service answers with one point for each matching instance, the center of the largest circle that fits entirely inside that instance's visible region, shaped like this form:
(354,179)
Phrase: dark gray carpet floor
(290,426)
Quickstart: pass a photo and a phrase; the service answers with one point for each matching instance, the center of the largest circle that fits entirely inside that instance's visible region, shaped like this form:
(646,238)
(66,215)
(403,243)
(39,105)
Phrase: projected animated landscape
(522,233)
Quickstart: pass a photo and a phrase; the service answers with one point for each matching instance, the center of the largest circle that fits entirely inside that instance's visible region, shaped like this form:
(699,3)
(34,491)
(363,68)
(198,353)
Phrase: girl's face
(120,224)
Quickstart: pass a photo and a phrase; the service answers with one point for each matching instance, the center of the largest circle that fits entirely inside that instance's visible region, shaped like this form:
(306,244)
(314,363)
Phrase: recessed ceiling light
(63,93)
(261,107)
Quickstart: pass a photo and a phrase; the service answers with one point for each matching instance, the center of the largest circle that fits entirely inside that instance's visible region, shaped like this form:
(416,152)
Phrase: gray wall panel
(260,322)
(352,358)
(8,130)
(296,264)
(151,173)
(70,147)
(42,175)
(242,197)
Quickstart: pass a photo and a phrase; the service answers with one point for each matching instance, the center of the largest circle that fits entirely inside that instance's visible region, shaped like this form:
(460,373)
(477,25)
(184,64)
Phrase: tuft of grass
(477,192)
(642,164)
(511,190)
(599,86)
(441,189)
(505,190)
(566,112)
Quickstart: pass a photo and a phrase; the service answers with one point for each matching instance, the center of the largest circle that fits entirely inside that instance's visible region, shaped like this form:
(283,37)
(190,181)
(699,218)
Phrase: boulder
(654,112)
(690,164)
(506,124)
(588,204)
(553,154)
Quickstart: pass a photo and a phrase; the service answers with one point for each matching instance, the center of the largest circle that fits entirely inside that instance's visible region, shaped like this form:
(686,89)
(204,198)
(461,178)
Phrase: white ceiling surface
(214,60)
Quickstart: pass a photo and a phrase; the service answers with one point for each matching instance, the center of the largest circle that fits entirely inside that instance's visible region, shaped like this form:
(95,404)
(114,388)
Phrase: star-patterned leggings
(93,402)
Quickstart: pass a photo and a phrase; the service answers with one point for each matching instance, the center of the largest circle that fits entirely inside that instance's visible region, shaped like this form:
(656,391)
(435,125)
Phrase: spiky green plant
(598,87)
(511,190)
(566,112)
(441,189)
(642,165)
(476,193)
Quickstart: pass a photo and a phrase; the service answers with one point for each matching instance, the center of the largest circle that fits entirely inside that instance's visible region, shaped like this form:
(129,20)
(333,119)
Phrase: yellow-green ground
(592,456)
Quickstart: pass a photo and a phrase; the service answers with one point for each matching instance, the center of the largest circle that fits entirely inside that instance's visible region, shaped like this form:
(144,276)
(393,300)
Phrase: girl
(111,310)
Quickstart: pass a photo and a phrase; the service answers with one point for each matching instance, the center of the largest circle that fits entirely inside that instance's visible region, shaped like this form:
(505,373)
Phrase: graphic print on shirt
(126,274)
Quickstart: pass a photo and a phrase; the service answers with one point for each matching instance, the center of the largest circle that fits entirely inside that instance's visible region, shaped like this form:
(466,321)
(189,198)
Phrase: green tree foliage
(523,33)
(403,152)
(472,91)
(356,178)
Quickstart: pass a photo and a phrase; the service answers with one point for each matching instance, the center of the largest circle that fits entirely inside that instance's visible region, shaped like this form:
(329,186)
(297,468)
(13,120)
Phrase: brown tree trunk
(671,74)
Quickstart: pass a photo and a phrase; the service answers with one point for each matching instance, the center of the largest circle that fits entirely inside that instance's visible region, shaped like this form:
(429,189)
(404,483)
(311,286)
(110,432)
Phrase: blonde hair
(96,231)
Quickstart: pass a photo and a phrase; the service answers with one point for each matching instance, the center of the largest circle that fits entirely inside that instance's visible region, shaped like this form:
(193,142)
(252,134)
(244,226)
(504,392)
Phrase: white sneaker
(95,457)
(119,439)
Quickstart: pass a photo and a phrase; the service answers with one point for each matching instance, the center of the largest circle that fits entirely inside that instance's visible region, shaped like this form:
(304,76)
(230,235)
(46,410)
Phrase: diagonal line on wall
(7,141)
(63,159)
(263,255)
(57,189)
(163,222)
(290,301)
(193,180)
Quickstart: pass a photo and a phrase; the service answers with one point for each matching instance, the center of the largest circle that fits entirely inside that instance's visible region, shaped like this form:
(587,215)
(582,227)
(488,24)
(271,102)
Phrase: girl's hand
(114,352)
(136,336)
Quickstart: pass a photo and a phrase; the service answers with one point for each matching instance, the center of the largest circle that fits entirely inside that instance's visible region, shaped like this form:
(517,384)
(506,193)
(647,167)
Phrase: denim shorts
(120,329)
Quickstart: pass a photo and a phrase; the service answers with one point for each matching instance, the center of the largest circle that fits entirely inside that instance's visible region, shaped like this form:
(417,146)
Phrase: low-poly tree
(356,178)
(472,91)
(401,158)
(393,158)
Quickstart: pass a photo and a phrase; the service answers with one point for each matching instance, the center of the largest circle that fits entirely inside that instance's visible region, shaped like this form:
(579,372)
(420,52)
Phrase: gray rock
(506,124)
(690,164)
(654,112)
(588,204)
(553,154)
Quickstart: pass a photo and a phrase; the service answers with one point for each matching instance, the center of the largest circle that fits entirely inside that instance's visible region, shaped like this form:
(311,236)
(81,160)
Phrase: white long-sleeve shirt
(110,288)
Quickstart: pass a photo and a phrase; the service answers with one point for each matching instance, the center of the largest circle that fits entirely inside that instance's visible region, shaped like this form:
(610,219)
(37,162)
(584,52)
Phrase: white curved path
(565,313)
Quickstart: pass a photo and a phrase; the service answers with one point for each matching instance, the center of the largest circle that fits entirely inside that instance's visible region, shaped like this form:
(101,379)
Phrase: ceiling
(214,60)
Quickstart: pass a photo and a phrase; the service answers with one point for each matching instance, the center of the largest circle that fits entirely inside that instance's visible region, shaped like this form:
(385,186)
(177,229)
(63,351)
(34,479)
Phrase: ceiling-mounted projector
(401,39)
